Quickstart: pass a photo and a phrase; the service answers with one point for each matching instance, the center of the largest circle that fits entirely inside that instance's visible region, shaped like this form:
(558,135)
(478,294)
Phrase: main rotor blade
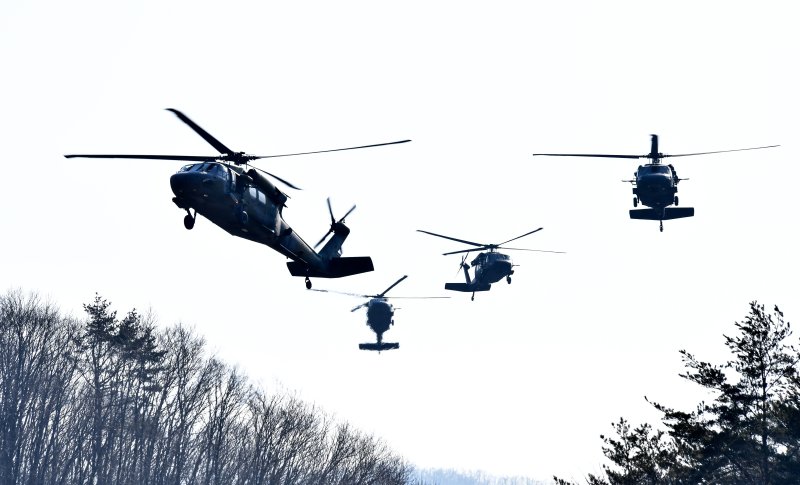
(206,136)
(585,155)
(480,248)
(452,239)
(536,250)
(188,158)
(341,293)
(526,234)
(360,306)
(415,297)
(393,285)
(333,150)
(285,182)
(719,151)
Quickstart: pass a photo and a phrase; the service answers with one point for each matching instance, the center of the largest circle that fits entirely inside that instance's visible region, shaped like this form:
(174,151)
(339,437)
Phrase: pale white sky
(524,379)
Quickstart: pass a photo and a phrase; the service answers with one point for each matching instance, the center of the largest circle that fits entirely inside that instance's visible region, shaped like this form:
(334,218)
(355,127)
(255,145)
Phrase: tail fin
(333,248)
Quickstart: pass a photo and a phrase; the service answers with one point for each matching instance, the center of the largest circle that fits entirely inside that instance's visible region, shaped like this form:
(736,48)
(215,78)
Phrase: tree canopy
(748,434)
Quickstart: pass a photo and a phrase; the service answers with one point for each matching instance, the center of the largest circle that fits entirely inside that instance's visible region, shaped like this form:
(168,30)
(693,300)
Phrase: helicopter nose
(182,182)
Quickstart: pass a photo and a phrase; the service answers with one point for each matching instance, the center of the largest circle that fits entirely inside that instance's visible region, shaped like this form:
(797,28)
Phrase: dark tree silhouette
(748,434)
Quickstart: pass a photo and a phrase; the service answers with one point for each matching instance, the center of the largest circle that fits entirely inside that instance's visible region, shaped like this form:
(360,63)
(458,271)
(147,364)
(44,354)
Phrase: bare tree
(115,400)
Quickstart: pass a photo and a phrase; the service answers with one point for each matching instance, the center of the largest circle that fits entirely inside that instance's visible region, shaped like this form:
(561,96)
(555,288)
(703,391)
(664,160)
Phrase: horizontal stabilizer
(336,267)
(667,214)
(678,212)
(466,288)
(379,347)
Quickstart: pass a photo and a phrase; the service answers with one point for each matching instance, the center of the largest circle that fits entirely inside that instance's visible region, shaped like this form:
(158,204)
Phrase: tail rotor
(463,264)
(334,222)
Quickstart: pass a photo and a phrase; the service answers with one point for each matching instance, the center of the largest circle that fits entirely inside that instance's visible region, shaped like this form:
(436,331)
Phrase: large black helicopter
(380,315)
(654,185)
(233,195)
(490,267)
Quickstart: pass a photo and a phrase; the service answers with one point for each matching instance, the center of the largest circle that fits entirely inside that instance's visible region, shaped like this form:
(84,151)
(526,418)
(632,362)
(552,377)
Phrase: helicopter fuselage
(655,185)
(491,267)
(380,315)
(249,206)
(246,204)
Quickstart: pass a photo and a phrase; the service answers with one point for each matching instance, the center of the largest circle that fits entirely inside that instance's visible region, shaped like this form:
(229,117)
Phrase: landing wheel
(635,201)
(188,221)
(308,283)
(661,226)
(473,297)
(676,200)
(508,280)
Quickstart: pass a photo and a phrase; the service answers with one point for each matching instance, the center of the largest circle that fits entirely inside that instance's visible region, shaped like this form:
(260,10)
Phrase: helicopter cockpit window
(187,168)
(647,169)
(217,171)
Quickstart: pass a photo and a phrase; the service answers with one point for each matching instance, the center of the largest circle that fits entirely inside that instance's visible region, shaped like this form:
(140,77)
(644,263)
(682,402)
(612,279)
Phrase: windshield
(648,169)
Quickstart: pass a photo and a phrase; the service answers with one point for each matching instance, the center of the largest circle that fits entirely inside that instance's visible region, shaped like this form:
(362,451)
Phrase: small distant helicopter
(246,204)
(490,267)
(380,315)
(654,185)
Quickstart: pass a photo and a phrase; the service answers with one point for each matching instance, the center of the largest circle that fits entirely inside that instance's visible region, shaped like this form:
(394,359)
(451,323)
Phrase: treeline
(439,476)
(748,433)
(115,400)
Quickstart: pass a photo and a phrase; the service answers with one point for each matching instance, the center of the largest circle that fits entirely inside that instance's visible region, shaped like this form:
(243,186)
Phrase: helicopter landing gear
(676,200)
(473,296)
(635,201)
(508,279)
(188,220)
(308,283)
(661,226)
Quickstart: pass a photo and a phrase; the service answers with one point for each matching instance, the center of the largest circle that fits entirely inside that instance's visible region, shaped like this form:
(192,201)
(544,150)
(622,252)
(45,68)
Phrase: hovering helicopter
(379,315)
(236,197)
(490,267)
(654,185)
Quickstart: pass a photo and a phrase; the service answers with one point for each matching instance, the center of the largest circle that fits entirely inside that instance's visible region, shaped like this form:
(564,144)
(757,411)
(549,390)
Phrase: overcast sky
(524,379)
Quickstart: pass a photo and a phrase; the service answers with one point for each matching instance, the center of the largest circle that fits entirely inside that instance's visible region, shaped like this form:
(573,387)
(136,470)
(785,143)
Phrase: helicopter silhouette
(246,204)
(490,267)
(654,185)
(380,314)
